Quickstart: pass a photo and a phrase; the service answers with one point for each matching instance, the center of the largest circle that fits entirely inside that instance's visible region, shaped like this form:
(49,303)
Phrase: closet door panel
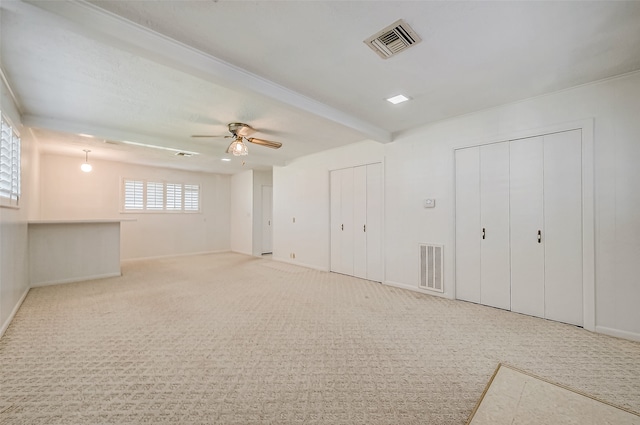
(526,219)
(562,235)
(347,208)
(374,222)
(467,163)
(359,222)
(494,216)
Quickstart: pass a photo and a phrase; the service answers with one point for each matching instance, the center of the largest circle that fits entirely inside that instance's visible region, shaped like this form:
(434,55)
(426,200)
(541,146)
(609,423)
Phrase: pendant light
(86,167)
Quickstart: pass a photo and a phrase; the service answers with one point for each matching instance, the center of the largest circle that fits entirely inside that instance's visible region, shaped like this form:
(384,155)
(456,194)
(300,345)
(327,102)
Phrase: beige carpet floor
(231,339)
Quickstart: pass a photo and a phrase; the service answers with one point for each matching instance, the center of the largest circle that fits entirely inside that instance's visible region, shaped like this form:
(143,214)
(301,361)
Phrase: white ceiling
(156,72)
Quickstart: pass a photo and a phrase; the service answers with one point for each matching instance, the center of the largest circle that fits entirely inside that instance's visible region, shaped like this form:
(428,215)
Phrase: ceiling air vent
(393,39)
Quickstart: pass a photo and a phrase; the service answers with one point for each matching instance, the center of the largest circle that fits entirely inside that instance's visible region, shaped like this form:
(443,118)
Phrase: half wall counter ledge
(63,251)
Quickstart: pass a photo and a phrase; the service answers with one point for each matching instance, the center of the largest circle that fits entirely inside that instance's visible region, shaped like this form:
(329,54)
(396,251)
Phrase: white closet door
(526,200)
(347,232)
(374,222)
(336,220)
(562,235)
(468,224)
(495,284)
(359,221)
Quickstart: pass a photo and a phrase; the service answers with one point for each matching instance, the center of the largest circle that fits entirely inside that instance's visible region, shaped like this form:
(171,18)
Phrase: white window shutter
(9,163)
(191,197)
(133,195)
(174,196)
(155,196)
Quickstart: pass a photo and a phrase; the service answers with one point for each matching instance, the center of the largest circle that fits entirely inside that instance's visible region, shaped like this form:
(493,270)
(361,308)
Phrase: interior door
(267,219)
(563,227)
(495,283)
(527,248)
(468,229)
(335,194)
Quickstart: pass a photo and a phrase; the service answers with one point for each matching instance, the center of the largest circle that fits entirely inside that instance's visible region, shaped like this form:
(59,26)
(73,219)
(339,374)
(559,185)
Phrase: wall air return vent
(431,264)
(393,39)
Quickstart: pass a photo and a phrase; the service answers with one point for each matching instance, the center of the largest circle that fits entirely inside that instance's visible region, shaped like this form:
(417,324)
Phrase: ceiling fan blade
(266,143)
(210,136)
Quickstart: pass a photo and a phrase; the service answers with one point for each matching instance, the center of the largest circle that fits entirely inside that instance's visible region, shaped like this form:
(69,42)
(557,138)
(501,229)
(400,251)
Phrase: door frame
(588,204)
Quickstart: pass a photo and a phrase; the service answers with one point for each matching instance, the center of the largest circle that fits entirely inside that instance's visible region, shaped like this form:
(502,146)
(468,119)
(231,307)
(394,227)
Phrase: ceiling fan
(239,133)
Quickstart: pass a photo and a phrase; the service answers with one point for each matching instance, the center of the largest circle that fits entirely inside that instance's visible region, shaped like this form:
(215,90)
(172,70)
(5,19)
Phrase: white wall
(301,191)
(419,165)
(14,272)
(66,193)
(260,179)
(242,212)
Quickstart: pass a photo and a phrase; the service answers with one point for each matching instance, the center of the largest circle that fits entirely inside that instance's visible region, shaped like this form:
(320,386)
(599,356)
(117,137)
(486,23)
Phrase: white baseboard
(633,336)
(7,322)
(242,252)
(160,257)
(297,263)
(75,279)
(415,289)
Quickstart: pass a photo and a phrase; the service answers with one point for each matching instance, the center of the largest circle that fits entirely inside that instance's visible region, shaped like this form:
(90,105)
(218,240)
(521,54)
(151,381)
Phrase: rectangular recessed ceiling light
(398,99)
(225,159)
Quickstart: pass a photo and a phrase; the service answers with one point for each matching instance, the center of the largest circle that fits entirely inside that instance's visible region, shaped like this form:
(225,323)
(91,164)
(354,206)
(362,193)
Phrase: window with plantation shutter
(9,164)
(191,197)
(133,195)
(174,197)
(155,196)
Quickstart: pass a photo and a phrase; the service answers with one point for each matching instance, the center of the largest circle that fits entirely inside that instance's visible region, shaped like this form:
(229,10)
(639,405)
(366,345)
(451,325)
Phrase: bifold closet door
(527,225)
(495,279)
(468,229)
(563,227)
(342,249)
(356,221)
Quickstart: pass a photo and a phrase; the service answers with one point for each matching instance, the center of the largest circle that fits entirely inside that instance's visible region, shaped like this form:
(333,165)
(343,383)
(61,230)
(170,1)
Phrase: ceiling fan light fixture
(238,148)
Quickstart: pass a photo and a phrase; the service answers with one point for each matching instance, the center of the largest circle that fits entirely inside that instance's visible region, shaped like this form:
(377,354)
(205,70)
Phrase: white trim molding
(7,322)
(633,336)
(75,279)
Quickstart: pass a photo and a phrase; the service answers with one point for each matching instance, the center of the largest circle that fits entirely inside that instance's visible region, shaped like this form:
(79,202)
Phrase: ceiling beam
(112,29)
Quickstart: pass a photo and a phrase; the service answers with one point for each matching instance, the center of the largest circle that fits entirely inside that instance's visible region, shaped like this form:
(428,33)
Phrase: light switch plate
(429,203)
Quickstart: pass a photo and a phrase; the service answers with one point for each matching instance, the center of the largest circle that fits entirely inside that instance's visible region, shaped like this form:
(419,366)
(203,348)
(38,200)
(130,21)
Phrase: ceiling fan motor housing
(240,129)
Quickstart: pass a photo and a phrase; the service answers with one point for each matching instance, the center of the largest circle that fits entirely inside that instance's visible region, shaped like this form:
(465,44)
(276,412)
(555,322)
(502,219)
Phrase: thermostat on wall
(429,203)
